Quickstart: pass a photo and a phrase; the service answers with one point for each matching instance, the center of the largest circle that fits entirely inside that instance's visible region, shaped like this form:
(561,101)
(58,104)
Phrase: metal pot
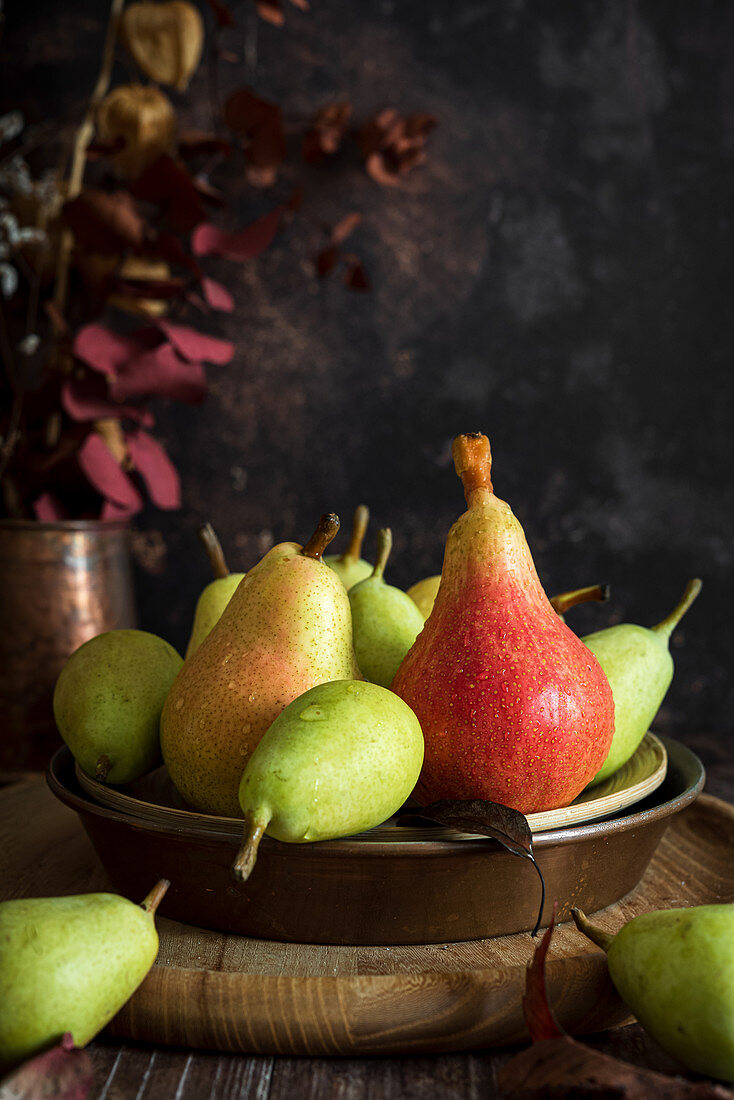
(60,584)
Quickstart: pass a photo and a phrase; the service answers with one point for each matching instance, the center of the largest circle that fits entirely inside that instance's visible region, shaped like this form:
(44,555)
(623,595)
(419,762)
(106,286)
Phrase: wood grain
(227,992)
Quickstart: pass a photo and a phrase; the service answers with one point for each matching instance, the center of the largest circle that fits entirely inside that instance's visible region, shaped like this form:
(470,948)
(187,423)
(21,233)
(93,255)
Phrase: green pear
(349,566)
(385,620)
(340,759)
(108,700)
(216,595)
(639,667)
(287,628)
(674,968)
(423,594)
(69,964)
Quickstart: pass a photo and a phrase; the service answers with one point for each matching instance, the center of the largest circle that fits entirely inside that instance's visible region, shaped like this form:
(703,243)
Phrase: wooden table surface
(141,1071)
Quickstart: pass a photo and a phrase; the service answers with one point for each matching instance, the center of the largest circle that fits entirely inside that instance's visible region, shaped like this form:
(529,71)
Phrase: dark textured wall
(558,274)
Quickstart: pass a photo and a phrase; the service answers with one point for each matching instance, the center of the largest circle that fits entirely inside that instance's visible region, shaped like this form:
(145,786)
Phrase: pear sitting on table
(108,701)
(639,667)
(349,566)
(69,964)
(385,620)
(674,969)
(216,595)
(287,628)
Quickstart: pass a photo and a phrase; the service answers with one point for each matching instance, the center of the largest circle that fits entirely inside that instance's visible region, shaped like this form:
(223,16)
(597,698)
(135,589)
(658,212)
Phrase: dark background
(558,274)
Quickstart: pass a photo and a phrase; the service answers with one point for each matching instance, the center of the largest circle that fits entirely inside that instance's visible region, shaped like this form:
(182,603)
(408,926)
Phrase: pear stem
(384,546)
(473,463)
(359,528)
(102,769)
(596,935)
(254,832)
(669,623)
(151,902)
(564,600)
(213,547)
(326,530)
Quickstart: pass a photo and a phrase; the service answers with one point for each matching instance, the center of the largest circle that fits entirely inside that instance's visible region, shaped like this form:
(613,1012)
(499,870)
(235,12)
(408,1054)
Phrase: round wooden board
(225,992)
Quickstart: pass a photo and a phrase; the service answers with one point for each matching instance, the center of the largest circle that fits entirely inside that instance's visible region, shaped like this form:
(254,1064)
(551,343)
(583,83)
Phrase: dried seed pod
(141,269)
(165,40)
(144,118)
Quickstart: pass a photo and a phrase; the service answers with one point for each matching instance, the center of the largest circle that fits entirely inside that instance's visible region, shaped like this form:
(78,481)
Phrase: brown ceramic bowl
(364,891)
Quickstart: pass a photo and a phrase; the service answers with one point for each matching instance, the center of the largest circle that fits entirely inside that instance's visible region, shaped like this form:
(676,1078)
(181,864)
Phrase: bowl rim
(680,759)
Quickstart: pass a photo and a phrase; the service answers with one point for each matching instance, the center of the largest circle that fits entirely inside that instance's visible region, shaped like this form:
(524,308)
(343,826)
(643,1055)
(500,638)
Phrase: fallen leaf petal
(64,1072)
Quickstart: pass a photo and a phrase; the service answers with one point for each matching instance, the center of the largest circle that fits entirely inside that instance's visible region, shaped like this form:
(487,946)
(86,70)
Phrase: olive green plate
(154,798)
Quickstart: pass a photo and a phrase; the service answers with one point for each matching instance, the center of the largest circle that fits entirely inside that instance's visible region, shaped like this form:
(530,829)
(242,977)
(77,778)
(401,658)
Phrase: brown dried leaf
(536,1010)
(481,816)
(565,1068)
(106,222)
(327,132)
(326,261)
(259,124)
(168,183)
(345,227)
(355,276)
(165,40)
(393,144)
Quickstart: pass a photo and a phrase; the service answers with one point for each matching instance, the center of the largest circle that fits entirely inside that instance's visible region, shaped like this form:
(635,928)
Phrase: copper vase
(60,584)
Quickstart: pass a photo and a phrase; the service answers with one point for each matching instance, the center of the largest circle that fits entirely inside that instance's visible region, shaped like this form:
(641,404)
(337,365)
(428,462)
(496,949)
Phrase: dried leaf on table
(557,1065)
(104,221)
(272,12)
(244,244)
(156,469)
(326,260)
(105,474)
(485,818)
(197,346)
(259,125)
(143,118)
(64,1072)
(162,373)
(165,39)
(327,131)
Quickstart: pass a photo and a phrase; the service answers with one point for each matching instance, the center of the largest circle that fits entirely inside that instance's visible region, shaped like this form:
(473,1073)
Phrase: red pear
(513,706)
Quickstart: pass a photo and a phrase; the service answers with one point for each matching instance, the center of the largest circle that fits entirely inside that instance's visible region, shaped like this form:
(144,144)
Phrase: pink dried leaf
(64,1072)
(155,468)
(244,244)
(217,295)
(162,373)
(112,512)
(197,346)
(88,398)
(104,473)
(48,509)
(104,350)
(536,1009)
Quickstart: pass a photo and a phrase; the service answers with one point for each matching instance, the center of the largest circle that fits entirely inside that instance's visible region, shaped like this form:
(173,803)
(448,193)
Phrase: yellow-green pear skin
(69,964)
(349,566)
(638,665)
(339,759)
(287,627)
(385,621)
(209,608)
(423,594)
(108,700)
(674,968)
